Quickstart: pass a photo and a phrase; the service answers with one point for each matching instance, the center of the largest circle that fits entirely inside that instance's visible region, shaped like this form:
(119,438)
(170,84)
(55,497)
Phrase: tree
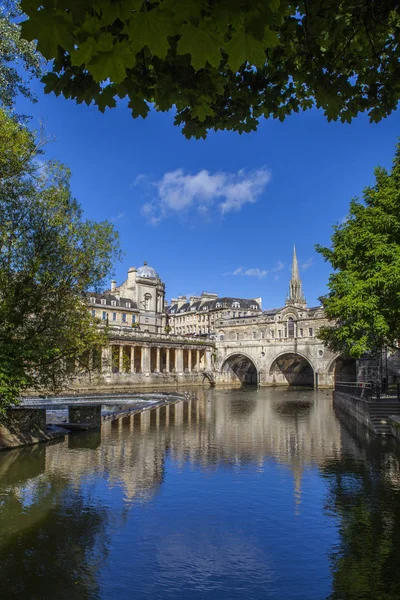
(222,64)
(17,57)
(49,258)
(364,289)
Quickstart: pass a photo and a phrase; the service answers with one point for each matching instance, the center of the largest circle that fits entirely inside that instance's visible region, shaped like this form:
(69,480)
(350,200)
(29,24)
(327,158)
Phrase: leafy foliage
(222,64)
(49,257)
(364,290)
(17,56)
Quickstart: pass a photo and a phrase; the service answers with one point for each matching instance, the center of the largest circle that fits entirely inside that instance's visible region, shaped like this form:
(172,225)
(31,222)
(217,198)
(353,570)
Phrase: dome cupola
(147,272)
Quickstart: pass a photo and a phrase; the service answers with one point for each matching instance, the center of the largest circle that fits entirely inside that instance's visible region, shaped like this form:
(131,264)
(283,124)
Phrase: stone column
(197,360)
(121,359)
(167,360)
(208,360)
(158,365)
(189,361)
(145,359)
(106,360)
(132,359)
(179,360)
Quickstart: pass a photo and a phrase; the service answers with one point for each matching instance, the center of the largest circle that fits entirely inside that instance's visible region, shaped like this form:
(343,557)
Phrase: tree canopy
(19,59)
(364,289)
(222,64)
(49,258)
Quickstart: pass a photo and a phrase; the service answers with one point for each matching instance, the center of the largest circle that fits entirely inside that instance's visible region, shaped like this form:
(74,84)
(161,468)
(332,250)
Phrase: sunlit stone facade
(210,338)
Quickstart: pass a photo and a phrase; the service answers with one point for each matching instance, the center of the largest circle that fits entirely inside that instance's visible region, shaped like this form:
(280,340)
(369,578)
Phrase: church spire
(295,295)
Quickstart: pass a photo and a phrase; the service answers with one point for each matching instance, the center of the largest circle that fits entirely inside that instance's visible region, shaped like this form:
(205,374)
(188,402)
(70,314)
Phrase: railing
(368,390)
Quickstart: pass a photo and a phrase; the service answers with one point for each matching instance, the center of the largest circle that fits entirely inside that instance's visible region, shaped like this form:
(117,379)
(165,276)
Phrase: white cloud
(306,265)
(257,272)
(141,178)
(118,217)
(178,192)
(278,267)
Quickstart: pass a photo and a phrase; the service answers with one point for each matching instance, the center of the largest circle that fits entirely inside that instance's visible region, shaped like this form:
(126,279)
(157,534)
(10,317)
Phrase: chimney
(113,285)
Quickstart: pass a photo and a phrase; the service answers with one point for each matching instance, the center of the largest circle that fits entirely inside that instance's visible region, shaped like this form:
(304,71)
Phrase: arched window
(147,300)
(236,305)
(221,335)
(290,327)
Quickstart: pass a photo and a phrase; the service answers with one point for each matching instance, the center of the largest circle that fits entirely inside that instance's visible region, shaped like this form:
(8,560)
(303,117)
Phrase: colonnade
(134,358)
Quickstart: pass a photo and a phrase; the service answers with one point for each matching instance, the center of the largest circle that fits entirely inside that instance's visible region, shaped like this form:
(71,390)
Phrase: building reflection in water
(232,429)
(55,522)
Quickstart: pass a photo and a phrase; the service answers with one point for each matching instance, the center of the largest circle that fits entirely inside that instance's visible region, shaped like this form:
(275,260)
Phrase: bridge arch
(341,368)
(239,368)
(292,368)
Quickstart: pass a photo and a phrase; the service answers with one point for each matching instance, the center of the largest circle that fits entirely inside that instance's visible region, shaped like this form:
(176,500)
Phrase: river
(238,494)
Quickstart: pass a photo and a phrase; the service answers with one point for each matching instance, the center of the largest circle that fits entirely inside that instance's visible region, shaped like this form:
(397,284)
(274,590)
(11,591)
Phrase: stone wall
(357,408)
(107,381)
(23,426)
(394,424)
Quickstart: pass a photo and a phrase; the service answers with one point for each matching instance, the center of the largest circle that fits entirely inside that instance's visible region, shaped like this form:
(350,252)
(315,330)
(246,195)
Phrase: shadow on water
(364,491)
(52,537)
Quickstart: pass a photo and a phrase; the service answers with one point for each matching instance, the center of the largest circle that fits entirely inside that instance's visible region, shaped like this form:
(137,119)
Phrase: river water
(237,494)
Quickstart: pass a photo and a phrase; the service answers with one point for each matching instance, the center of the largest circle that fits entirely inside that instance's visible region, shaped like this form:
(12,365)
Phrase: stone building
(210,338)
(279,346)
(137,302)
(199,314)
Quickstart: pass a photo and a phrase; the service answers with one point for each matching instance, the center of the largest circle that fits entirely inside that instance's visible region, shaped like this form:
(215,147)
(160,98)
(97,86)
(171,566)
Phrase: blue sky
(221,214)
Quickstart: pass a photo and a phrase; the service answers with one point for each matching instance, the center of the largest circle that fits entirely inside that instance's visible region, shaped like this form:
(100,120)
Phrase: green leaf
(150,29)
(50,31)
(106,99)
(203,45)
(85,52)
(112,65)
(244,47)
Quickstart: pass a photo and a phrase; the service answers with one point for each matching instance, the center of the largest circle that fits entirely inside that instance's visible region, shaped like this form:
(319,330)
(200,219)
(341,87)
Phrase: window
(114,316)
(218,305)
(272,333)
(262,335)
(93,300)
(236,305)
(310,332)
(104,315)
(133,319)
(113,303)
(124,317)
(279,333)
(128,305)
(254,335)
(301,333)
(103,301)
(238,336)
(147,300)
(290,327)
(93,313)
(253,307)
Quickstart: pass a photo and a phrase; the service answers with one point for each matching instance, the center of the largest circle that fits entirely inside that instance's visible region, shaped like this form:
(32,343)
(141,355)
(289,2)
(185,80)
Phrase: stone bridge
(279,362)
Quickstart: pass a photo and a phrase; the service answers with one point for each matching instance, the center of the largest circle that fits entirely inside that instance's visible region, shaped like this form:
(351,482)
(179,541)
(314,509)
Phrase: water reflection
(235,494)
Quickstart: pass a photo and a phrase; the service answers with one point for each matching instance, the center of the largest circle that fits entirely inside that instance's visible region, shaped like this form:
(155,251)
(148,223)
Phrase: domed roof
(147,272)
